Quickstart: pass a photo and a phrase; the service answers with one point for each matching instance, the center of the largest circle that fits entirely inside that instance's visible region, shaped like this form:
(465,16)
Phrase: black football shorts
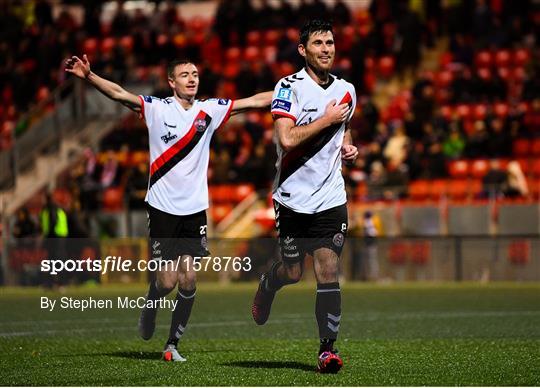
(301,234)
(172,236)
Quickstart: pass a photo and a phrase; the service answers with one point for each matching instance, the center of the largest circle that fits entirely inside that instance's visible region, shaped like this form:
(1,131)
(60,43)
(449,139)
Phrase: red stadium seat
(459,169)
(503,58)
(438,188)
(127,43)
(445,59)
(253,38)
(62,197)
(483,59)
(90,46)
(386,66)
(369,63)
(113,199)
(475,187)
(479,168)
(524,165)
(221,193)
(107,45)
(504,73)
(447,111)
(233,54)
(479,112)
(419,190)
(521,57)
(444,78)
(271,37)
(458,189)
(518,74)
(252,53)
(464,111)
(241,192)
(484,73)
(219,212)
(521,147)
(501,109)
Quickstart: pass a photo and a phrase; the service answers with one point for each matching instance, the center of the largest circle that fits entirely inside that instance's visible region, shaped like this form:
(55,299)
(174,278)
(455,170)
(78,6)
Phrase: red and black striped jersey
(179,142)
(308,178)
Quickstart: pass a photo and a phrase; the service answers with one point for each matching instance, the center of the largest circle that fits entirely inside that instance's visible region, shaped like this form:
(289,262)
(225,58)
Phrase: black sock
(328,313)
(273,283)
(326,345)
(181,315)
(153,292)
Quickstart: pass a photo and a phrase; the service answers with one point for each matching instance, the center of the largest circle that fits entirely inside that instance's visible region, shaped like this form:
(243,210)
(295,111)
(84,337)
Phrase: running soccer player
(311,111)
(180,129)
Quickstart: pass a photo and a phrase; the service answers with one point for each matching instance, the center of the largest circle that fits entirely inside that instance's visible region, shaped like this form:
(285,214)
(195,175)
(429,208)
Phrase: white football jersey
(308,178)
(179,142)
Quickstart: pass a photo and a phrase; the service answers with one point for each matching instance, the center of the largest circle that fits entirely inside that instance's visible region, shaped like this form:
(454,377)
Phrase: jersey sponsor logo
(309,110)
(168,137)
(338,240)
(223,101)
(283,105)
(200,125)
(284,94)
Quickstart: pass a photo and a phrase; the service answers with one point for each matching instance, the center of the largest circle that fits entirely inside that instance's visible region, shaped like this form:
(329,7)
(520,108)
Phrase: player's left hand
(349,153)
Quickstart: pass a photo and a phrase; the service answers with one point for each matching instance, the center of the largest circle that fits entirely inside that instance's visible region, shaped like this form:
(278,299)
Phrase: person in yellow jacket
(54,227)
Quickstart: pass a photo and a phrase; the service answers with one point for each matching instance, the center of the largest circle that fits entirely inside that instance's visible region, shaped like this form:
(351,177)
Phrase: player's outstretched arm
(259,100)
(81,68)
(291,135)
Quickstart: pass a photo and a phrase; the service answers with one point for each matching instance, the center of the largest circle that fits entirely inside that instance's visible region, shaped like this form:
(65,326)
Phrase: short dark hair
(172,65)
(314,25)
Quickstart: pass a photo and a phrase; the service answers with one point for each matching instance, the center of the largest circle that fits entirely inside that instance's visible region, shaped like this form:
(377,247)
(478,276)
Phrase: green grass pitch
(411,334)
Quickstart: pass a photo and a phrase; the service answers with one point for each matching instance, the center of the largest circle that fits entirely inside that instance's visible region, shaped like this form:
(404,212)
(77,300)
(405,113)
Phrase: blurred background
(447,185)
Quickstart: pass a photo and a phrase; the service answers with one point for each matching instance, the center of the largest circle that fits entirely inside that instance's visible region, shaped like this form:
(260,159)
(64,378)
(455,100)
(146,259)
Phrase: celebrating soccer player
(180,129)
(311,111)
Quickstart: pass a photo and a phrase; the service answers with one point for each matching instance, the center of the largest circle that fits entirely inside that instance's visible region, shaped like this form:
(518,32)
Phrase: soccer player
(311,111)
(180,129)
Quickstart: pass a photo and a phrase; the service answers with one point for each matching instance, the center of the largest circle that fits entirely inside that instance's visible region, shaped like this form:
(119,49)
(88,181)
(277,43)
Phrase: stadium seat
(253,38)
(438,188)
(62,197)
(444,78)
(219,212)
(464,111)
(475,188)
(479,111)
(445,59)
(483,59)
(504,73)
(252,54)
(503,58)
(127,43)
(479,168)
(501,109)
(458,189)
(90,46)
(113,199)
(459,169)
(521,147)
(447,111)
(386,66)
(484,73)
(521,57)
(107,45)
(233,54)
(419,190)
(242,191)
(271,37)
(519,252)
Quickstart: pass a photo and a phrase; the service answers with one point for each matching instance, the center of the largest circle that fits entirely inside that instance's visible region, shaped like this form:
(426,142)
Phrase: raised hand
(337,113)
(78,67)
(349,153)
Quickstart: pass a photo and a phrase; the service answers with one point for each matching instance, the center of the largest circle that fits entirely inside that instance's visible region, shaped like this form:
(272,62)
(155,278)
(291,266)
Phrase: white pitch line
(358,317)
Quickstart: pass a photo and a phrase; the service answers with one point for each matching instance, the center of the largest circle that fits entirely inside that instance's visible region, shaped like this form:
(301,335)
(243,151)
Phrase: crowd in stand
(412,138)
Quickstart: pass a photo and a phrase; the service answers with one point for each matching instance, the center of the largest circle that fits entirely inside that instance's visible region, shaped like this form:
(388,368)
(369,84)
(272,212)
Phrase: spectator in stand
(516,185)
(494,182)
(424,106)
(395,151)
(531,120)
(478,141)
(454,145)
(462,87)
(376,181)
(499,143)
(436,162)
(341,13)
(110,172)
(531,86)
(136,187)
(24,225)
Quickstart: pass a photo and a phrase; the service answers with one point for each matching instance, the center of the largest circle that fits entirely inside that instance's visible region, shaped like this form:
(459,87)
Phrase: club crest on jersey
(222,101)
(168,137)
(283,105)
(200,125)
(284,94)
